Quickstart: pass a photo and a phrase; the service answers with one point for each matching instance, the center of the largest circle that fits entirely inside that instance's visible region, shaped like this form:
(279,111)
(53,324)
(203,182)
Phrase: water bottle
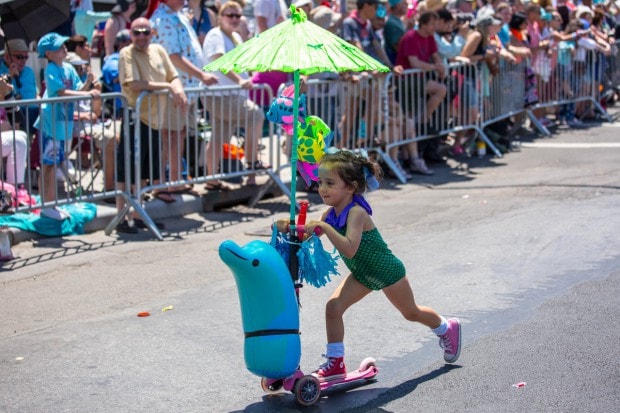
(481,148)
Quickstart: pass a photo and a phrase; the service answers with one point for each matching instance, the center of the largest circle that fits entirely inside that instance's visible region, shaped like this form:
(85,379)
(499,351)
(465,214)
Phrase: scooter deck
(357,375)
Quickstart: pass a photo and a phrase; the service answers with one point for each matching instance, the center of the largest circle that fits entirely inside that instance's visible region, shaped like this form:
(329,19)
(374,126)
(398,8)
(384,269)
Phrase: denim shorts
(52,151)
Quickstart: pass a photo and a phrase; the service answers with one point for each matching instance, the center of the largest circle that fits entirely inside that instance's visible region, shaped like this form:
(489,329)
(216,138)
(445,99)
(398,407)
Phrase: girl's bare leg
(401,296)
(348,293)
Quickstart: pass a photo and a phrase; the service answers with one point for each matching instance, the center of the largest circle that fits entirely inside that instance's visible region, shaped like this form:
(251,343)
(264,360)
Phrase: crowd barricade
(406,116)
(221,136)
(611,72)
(88,172)
(376,113)
(570,80)
(507,93)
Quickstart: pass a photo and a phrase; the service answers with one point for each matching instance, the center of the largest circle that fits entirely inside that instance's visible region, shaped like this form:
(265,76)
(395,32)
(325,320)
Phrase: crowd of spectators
(550,39)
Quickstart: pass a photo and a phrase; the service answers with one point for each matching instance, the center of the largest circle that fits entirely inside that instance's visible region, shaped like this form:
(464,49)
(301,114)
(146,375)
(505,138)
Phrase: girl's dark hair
(352,167)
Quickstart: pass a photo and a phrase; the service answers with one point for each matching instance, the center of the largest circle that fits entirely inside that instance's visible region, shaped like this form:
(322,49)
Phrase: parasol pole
(293,262)
(294,145)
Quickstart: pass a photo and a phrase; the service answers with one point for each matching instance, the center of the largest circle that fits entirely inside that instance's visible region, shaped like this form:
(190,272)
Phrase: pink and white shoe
(451,341)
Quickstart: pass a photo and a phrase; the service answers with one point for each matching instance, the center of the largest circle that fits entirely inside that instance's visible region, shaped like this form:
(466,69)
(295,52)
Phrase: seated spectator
(22,79)
(78,44)
(231,110)
(418,50)
(109,73)
(14,147)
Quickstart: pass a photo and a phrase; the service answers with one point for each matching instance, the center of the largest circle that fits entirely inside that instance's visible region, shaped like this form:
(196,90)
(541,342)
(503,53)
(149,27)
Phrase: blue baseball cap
(50,42)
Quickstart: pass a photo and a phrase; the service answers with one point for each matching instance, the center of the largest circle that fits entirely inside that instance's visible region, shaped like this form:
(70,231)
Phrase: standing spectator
(56,120)
(394,28)
(243,29)
(268,13)
(173,31)
(418,50)
(202,18)
(231,109)
(449,41)
(121,19)
(145,66)
(22,79)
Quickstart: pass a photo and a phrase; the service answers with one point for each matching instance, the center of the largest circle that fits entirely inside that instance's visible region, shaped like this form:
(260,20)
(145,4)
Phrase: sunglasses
(138,32)
(232,15)
(19,57)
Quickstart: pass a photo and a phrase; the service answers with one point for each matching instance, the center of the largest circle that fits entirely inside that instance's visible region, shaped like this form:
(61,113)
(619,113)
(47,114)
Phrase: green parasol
(302,47)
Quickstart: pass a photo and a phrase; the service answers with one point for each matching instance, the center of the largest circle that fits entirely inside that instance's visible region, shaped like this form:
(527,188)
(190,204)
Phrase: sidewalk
(186,204)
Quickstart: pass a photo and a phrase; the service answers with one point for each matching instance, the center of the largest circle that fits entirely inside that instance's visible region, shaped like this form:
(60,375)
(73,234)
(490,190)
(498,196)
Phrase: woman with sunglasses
(231,110)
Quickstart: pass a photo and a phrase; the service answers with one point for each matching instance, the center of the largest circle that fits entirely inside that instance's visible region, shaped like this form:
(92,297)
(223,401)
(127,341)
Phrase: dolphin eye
(255,263)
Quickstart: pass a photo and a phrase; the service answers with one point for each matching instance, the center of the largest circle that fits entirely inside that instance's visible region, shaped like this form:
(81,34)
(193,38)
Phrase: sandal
(218,186)
(165,196)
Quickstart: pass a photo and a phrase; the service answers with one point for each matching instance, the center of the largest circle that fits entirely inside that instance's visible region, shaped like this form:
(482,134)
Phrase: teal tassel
(315,264)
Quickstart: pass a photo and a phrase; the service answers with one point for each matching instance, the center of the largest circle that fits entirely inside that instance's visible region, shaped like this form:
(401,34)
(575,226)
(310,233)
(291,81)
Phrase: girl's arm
(348,244)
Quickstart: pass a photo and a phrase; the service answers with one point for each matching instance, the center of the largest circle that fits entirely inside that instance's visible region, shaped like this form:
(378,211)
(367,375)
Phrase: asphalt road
(523,249)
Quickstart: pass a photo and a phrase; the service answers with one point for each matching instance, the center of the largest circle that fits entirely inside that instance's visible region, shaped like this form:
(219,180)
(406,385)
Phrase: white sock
(335,350)
(443,327)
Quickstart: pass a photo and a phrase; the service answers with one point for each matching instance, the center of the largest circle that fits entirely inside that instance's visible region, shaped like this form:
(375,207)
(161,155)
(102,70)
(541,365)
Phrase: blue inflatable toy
(269,309)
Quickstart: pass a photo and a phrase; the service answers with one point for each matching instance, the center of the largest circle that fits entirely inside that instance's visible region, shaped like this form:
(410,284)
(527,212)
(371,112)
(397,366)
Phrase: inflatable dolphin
(268,308)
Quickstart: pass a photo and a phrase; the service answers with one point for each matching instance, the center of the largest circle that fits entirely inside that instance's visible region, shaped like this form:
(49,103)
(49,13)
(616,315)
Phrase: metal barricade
(570,81)
(87,173)
(174,148)
(456,107)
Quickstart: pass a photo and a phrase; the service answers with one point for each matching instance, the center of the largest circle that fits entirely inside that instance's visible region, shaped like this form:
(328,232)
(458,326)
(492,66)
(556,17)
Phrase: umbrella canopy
(296,45)
(31,19)
(302,47)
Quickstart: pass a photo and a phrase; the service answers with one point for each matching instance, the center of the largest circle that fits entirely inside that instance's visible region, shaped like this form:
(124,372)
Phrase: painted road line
(577,145)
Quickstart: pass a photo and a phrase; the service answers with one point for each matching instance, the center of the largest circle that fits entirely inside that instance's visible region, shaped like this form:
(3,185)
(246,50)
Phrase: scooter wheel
(271,385)
(307,390)
(367,363)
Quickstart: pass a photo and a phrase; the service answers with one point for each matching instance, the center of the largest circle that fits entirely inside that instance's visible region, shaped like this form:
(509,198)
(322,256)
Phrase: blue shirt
(28,84)
(56,120)
(504,34)
(109,74)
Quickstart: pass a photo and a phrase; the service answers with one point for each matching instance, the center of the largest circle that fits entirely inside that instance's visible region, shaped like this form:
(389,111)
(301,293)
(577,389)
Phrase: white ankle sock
(335,350)
(443,327)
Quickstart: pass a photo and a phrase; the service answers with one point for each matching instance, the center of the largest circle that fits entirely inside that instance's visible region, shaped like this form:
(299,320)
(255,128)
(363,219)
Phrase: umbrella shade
(302,47)
(296,44)
(31,19)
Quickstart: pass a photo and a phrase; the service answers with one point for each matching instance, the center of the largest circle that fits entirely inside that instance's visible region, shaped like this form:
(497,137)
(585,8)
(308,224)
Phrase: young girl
(343,178)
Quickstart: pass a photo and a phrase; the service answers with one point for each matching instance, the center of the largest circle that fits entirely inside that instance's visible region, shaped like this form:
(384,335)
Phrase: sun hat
(50,42)
(17,45)
(324,16)
(434,5)
(74,59)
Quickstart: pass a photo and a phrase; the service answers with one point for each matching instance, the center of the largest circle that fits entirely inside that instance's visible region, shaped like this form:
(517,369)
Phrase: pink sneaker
(332,369)
(451,341)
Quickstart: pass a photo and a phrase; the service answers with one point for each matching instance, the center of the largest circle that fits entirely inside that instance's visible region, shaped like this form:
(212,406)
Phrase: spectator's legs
(436,93)
(14,148)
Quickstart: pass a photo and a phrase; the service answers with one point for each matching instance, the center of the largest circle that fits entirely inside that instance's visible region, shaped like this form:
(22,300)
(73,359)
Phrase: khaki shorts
(174,119)
(102,132)
(231,112)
